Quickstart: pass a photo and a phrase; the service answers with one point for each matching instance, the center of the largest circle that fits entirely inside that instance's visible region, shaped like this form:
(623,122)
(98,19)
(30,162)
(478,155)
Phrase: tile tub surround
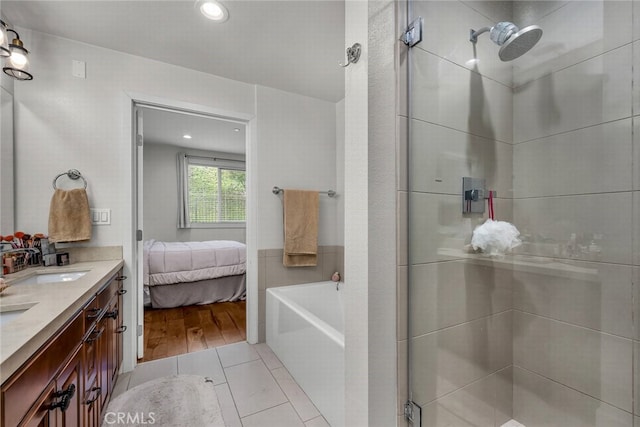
(253,387)
(56,303)
(271,274)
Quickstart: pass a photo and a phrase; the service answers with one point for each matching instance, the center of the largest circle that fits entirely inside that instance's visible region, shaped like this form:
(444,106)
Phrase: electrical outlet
(100,216)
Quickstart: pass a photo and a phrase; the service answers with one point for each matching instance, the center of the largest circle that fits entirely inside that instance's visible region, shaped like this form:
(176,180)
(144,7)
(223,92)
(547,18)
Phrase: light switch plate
(100,216)
(79,69)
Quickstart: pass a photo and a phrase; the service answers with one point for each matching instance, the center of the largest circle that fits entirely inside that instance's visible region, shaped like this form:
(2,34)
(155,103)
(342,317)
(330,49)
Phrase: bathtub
(305,329)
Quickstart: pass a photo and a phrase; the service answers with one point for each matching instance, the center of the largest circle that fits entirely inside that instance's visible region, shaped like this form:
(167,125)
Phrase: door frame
(130,248)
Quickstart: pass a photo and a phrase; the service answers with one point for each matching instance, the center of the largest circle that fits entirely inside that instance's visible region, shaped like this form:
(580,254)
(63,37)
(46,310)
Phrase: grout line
(564,132)
(461,131)
(471,70)
(289,400)
(564,322)
(555,196)
(446,328)
(582,61)
(466,385)
(271,407)
(233,399)
(235,407)
(571,388)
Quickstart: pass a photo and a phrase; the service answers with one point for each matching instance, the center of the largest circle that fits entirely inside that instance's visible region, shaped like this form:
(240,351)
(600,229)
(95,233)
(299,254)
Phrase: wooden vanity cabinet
(59,405)
(101,344)
(68,382)
(38,392)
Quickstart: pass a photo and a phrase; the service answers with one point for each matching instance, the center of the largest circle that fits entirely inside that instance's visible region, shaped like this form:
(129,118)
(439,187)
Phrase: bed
(187,273)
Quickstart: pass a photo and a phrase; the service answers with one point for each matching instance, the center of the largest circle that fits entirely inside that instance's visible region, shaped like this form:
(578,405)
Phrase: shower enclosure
(548,335)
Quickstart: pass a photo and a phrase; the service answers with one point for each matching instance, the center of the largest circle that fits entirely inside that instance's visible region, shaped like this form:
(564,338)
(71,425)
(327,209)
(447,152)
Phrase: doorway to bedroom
(192,210)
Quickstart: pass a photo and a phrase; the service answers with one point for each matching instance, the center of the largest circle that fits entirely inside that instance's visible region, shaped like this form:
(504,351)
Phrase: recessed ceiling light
(213,10)
(186,136)
(236,129)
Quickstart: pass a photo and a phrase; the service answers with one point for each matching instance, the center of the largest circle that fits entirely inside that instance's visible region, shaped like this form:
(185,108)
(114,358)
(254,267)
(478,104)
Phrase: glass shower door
(545,335)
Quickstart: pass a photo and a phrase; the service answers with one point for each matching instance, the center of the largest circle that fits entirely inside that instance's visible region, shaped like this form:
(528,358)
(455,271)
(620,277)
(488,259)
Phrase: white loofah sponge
(495,237)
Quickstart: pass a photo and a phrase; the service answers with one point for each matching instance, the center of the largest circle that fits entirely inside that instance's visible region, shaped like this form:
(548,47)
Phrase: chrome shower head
(513,42)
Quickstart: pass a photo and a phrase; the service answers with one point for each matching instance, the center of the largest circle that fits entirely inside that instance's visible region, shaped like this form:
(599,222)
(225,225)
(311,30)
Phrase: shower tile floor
(253,388)
(512,423)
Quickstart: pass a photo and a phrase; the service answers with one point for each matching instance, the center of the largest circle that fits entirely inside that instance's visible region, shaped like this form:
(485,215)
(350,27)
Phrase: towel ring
(72,174)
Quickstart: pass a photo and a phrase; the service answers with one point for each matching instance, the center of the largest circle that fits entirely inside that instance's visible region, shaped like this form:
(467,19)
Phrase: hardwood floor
(172,331)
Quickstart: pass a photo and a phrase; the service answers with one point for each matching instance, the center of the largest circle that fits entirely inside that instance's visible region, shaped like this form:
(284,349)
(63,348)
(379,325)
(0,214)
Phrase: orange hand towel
(300,228)
(69,216)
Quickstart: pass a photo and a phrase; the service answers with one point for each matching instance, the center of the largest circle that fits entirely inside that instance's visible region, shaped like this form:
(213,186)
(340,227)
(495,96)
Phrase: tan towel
(300,228)
(69,216)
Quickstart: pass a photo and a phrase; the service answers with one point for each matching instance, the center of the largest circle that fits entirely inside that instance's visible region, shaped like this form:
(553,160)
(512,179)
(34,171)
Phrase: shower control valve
(474,194)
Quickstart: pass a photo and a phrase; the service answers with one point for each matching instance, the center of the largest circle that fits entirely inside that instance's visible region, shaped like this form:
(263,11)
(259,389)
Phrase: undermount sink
(50,278)
(11,312)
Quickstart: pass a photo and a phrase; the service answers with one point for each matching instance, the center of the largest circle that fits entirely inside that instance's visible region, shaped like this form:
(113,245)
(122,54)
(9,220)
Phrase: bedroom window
(215,193)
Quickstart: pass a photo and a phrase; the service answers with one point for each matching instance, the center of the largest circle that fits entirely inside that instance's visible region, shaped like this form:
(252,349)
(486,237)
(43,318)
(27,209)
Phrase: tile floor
(512,423)
(254,389)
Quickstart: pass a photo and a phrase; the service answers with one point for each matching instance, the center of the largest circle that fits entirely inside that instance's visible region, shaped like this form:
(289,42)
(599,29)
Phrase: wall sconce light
(16,62)
(4,40)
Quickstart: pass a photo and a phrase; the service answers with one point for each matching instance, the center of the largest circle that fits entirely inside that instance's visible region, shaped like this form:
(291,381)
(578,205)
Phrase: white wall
(296,149)
(382,213)
(161,197)
(356,221)
(340,172)
(6,152)
(65,122)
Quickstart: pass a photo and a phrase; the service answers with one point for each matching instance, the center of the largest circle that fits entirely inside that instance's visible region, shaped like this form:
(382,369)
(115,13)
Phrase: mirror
(6,163)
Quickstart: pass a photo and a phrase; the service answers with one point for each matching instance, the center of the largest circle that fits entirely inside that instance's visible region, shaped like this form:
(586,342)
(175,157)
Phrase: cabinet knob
(121,278)
(121,329)
(122,291)
(65,398)
(94,336)
(112,314)
(98,392)
(93,313)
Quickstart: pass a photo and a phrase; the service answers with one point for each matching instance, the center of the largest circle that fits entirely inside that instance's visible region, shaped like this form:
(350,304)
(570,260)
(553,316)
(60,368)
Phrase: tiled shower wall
(576,182)
(549,339)
(272,273)
(461,310)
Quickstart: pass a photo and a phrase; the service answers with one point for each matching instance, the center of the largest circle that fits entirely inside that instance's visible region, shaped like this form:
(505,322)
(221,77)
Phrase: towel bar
(72,174)
(278,190)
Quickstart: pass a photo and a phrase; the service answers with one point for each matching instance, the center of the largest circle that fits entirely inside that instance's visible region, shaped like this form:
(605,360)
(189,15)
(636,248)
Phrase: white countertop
(55,303)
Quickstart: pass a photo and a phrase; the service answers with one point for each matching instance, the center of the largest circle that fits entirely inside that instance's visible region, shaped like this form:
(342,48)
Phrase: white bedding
(167,263)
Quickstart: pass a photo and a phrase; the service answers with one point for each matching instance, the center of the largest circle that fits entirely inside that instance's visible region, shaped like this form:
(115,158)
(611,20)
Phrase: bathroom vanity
(60,355)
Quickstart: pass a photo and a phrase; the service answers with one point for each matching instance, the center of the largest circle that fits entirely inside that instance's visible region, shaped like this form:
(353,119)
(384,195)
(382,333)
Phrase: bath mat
(175,401)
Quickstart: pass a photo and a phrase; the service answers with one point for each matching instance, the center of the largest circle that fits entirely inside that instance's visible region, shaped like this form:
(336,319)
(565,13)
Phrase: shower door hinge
(139,330)
(413,35)
(139,235)
(413,413)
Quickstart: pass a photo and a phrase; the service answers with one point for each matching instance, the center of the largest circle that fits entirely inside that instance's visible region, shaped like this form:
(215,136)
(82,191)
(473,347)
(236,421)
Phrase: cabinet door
(120,329)
(103,357)
(68,399)
(91,390)
(41,414)
(112,358)
(92,405)
(91,360)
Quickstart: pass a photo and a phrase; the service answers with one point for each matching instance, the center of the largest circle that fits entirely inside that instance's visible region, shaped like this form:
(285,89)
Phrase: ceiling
(207,133)
(292,45)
